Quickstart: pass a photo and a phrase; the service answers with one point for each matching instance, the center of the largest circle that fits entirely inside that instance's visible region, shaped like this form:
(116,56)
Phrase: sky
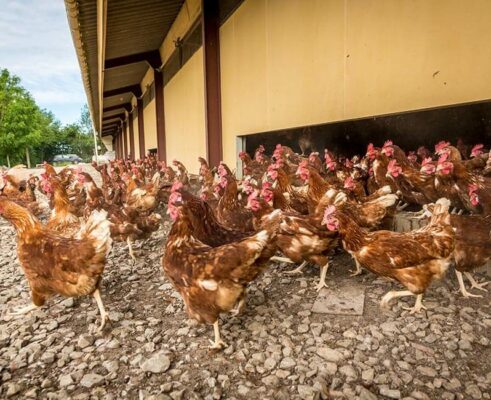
(36,45)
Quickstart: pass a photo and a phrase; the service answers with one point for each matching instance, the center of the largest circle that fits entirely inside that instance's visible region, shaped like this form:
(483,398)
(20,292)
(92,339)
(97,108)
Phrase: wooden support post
(141,129)
(211,63)
(160,113)
(132,136)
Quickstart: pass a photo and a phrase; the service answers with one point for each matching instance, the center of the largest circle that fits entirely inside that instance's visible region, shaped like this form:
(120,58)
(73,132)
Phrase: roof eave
(92,97)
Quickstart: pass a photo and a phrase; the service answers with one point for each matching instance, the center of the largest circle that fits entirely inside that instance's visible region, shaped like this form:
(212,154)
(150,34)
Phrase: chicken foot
(297,270)
(102,310)
(463,290)
(393,294)
(322,283)
(401,207)
(23,310)
(474,283)
(218,343)
(418,305)
(281,259)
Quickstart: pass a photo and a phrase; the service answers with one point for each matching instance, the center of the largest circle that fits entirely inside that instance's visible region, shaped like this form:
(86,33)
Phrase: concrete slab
(346,299)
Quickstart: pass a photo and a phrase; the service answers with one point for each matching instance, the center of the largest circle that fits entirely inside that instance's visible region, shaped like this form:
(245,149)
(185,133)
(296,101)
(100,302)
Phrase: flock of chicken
(226,230)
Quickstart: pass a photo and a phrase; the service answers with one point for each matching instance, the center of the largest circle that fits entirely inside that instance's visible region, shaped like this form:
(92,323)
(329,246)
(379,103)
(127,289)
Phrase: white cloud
(36,45)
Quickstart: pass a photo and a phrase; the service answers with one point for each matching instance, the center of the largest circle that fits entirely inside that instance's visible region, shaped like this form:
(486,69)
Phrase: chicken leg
(322,283)
(102,310)
(463,290)
(130,249)
(218,343)
(358,270)
(297,270)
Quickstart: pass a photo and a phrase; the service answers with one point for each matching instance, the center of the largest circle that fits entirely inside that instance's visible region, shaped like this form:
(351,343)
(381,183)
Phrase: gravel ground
(278,348)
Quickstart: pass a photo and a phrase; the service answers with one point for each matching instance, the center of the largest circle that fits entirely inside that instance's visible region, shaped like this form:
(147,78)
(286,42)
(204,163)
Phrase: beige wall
(188,15)
(287,63)
(185,114)
(127,134)
(135,135)
(150,122)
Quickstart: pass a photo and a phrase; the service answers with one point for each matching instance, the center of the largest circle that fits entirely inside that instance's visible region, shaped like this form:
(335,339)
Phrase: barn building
(189,78)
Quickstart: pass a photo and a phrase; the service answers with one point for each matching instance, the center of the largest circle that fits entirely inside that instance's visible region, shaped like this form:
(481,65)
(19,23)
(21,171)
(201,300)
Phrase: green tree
(20,119)
(26,130)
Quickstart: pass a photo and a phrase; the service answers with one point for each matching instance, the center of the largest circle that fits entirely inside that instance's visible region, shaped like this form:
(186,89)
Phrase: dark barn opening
(469,122)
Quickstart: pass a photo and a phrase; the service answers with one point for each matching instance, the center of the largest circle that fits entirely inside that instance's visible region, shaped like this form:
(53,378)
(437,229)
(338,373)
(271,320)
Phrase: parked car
(106,157)
(67,158)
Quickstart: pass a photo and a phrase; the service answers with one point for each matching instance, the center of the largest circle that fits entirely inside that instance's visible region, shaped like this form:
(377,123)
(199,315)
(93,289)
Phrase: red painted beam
(160,113)
(133,89)
(210,23)
(126,106)
(141,127)
(151,57)
(132,136)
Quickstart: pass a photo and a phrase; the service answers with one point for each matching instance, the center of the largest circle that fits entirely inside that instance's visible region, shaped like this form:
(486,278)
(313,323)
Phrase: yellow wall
(135,135)
(395,48)
(127,134)
(187,16)
(150,121)
(185,114)
(287,63)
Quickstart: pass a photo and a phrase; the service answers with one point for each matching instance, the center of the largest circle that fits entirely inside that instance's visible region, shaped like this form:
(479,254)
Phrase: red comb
(330,210)
(176,186)
(426,161)
(441,145)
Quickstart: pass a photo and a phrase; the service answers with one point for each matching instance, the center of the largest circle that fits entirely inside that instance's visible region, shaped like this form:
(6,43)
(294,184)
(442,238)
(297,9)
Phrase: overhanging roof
(134,31)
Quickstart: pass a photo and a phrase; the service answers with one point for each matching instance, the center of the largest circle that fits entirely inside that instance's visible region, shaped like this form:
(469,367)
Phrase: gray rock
(329,354)
(427,371)
(306,392)
(65,380)
(473,391)
(91,380)
(156,364)
(270,364)
(389,327)
(287,363)
(349,372)
(367,375)
(365,394)
(243,390)
(68,303)
(51,326)
(390,393)
(13,389)
(111,366)
(85,341)
(271,380)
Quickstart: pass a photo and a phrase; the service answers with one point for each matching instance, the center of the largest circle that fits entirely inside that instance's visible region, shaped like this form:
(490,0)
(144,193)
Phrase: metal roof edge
(72,12)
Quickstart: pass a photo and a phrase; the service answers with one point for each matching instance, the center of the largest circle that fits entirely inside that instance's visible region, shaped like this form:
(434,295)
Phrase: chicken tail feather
(386,201)
(98,229)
